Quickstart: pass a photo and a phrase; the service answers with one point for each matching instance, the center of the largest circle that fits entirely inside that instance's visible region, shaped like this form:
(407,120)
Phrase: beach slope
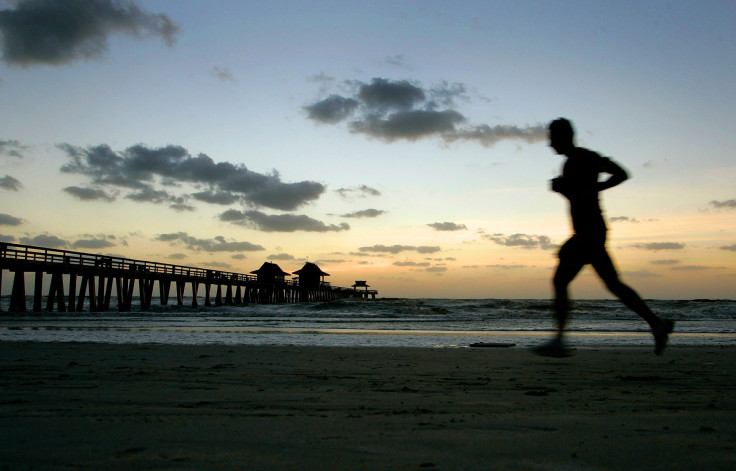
(138,407)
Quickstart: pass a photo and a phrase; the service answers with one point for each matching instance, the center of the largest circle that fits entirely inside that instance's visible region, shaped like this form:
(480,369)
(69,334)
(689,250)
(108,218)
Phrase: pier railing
(98,273)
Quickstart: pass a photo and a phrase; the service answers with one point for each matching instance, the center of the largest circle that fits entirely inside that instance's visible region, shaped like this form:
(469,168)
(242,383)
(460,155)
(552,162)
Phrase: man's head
(561,135)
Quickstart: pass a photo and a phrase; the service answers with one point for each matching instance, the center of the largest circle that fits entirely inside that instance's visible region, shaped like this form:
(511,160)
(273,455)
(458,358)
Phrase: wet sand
(95,406)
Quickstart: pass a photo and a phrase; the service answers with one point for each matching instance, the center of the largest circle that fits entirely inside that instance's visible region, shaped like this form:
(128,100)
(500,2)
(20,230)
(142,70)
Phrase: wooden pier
(76,278)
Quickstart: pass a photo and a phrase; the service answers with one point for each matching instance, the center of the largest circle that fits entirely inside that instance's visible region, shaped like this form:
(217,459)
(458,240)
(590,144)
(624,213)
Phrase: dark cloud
(623,219)
(88,194)
(656,246)
(365,213)
(332,109)
(362,191)
(223,73)
(281,257)
(383,94)
(506,267)
(695,268)
(490,135)
(149,195)
(9,183)
(728,204)
(400,110)
(7,238)
(436,269)
(8,220)
(181,207)
(178,256)
(45,240)
(141,168)
(525,241)
(53,32)
(212,197)
(410,125)
(665,262)
(394,249)
(448,226)
(12,148)
(411,264)
(730,248)
(279,222)
(93,244)
(216,244)
(398,60)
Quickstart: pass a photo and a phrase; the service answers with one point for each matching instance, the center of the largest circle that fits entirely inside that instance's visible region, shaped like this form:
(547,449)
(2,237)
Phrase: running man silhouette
(579,184)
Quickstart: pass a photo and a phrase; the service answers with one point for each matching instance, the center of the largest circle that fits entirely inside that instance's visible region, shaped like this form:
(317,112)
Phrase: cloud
(728,204)
(177,256)
(623,219)
(8,220)
(141,169)
(216,244)
(695,268)
(383,94)
(393,110)
(506,267)
(223,74)
(44,240)
(12,148)
(362,191)
(181,207)
(398,60)
(411,264)
(9,183)
(279,222)
(525,241)
(409,124)
(88,194)
(640,274)
(448,226)
(93,244)
(51,32)
(281,257)
(665,262)
(730,248)
(365,213)
(656,246)
(394,249)
(218,197)
(436,269)
(7,238)
(332,109)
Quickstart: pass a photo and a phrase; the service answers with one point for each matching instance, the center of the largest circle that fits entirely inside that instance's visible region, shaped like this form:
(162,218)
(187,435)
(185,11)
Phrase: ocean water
(381,322)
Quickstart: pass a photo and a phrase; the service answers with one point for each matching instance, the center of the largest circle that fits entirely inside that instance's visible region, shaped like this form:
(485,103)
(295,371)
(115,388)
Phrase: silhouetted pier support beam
(18,294)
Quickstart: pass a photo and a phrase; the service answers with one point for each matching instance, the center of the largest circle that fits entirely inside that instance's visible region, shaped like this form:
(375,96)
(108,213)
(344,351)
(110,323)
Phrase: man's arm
(618,174)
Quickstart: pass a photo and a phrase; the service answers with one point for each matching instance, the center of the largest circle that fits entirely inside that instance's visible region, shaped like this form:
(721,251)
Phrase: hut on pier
(366,292)
(311,277)
(270,273)
(272,285)
(311,282)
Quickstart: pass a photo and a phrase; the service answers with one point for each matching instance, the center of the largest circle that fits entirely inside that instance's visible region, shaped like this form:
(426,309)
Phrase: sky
(402,143)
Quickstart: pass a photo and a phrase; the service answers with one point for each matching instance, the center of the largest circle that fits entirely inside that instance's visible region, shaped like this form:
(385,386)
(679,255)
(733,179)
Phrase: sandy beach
(95,406)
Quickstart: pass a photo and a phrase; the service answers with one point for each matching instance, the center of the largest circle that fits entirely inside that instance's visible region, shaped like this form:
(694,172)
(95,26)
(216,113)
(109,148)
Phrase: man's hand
(558,185)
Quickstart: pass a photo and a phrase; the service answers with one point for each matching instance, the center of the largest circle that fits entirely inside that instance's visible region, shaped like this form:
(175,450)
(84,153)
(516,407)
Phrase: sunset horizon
(403,144)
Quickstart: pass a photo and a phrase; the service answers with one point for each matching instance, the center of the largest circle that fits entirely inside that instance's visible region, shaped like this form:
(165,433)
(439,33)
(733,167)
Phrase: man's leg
(567,270)
(605,269)
(661,328)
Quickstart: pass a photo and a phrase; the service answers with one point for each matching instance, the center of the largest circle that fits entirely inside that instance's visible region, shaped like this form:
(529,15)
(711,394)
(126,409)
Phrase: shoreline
(150,406)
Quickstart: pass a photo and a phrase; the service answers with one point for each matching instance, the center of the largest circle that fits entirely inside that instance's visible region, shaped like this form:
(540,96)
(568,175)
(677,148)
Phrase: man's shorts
(583,249)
